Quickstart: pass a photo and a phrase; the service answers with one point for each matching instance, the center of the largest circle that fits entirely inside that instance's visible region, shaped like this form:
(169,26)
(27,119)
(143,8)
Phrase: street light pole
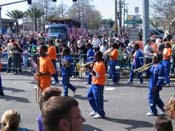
(116,23)
(0,22)
(145,21)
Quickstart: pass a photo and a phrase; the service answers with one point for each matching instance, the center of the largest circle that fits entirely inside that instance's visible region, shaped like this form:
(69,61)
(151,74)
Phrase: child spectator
(10,121)
(163,124)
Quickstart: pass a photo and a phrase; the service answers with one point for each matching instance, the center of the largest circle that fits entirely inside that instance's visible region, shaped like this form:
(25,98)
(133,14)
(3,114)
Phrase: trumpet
(83,67)
(143,68)
(108,52)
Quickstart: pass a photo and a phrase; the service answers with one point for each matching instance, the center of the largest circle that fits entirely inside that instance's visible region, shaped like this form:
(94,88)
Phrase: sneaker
(74,92)
(167,85)
(1,94)
(150,114)
(55,83)
(93,113)
(162,113)
(129,82)
(97,116)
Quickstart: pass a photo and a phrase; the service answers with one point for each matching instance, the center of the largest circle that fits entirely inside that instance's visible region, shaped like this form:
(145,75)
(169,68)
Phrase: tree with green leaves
(16,15)
(35,14)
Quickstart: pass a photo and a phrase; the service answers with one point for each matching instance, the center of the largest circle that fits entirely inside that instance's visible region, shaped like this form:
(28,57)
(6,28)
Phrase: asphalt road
(125,105)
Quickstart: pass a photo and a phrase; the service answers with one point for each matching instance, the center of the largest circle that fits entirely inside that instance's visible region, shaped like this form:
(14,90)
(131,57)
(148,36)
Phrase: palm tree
(34,13)
(16,15)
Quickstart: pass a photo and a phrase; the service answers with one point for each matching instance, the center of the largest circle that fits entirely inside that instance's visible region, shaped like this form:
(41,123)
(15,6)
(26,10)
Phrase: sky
(106,7)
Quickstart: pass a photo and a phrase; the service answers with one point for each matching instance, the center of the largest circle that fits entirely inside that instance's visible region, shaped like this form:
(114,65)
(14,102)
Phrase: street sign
(133,19)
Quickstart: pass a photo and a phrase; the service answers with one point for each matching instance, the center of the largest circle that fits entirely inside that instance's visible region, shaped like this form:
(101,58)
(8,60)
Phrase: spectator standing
(148,52)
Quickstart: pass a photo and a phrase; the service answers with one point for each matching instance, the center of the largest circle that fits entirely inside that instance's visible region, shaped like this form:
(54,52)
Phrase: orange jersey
(100,70)
(167,52)
(46,65)
(140,43)
(114,54)
(52,52)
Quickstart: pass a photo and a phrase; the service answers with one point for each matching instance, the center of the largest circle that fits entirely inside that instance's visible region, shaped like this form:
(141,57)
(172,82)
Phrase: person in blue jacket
(67,71)
(137,63)
(90,58)
(156,82)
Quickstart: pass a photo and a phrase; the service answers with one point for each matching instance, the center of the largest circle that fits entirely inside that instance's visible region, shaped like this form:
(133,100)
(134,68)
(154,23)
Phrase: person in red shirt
(53,55)
(95,92)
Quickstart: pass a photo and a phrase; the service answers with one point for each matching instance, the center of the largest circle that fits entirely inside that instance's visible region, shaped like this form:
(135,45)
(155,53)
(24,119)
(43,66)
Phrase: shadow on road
(13,89)
(87,127)
(80,97)
(14,98)
(134,124)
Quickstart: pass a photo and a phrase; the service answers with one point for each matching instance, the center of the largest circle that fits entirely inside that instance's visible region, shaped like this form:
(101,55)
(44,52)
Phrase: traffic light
(54,0)
(29,2)
(74,0)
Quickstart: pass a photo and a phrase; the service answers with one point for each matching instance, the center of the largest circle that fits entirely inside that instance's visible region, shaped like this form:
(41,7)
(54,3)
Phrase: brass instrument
(83,67)
(143,68)
(108,52)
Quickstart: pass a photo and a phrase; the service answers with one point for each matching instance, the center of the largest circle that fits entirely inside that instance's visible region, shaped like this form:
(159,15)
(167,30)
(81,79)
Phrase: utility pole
(120,16)
(116,13)
(145,21)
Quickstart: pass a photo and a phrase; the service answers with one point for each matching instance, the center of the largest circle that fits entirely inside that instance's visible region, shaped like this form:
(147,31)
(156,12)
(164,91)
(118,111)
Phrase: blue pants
(96,100)
(154,99)
(166,66)
(1,89)
(139,75)
(66,85)
(89,79)
(55,76)
(112,70)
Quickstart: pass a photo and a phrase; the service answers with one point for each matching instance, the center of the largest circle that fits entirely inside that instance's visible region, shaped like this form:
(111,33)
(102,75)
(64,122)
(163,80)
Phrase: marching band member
(90,58)
(95,92)
(46,69)
(66,71)
(137,63)
(155,86)
(167,52)
(53,55)
(113,62)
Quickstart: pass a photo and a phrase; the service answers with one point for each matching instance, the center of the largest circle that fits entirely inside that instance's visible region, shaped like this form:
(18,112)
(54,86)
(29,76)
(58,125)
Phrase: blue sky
(106,7)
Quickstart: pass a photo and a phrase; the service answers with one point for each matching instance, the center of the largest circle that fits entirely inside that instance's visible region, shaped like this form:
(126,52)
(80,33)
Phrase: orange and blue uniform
(95,92)
(53,55)
(167,52)
(46,66)
(112,64)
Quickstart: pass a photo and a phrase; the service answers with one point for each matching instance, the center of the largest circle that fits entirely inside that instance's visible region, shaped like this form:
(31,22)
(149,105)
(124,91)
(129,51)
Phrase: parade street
(125,105)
